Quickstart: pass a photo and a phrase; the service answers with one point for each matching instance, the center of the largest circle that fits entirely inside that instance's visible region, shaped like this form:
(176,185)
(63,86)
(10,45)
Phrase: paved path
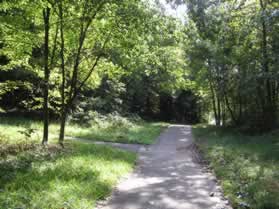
(168,177)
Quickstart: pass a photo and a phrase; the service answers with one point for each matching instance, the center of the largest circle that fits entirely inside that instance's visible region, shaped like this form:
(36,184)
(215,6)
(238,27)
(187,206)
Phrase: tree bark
(63,119)
(269,109)
(229,108)
(213,98)
(219,113)
(46,16)
(67,100)
(63,116)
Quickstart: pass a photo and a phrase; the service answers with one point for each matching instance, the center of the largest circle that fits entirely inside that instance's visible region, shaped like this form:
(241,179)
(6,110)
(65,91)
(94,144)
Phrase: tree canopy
(60,57)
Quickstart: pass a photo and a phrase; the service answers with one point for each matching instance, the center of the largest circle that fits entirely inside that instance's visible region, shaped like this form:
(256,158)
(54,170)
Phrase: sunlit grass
(107,130)
(11,128)
(247,165)
(138,133)
(33,177)
(74,179)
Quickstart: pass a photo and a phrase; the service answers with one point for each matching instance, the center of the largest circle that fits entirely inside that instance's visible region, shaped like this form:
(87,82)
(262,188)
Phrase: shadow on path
(168,177)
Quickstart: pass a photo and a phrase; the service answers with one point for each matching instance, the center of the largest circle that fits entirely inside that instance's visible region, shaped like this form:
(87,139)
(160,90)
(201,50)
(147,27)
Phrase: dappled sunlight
(167,191)
(87,85)
(167,176)
(137,133)
(80,177)
(246,164)
(128,132)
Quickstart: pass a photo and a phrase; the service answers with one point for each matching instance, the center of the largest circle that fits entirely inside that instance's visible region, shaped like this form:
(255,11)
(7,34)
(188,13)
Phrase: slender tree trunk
(68,99)
(240,109)
(63,106)
(213,101)
(63,119)
(218,121)
(230,109)
(46,15)
(269,109)
(223,113)
(265,61)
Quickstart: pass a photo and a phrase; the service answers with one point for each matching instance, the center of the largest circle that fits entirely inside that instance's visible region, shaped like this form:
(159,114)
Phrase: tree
(103,17)
(46,16)
(228,45)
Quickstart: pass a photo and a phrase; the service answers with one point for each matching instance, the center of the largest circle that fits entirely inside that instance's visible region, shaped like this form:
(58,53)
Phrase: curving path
(168,177)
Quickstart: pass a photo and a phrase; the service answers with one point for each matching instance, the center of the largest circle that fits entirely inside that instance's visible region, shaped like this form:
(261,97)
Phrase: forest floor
(169,172)
(74,177)
(168,176)
(247,166)
(32,176)
(14,129)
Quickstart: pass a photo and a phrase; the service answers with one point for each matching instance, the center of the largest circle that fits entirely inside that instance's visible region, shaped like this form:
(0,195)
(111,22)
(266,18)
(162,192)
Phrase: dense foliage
(62,58)
(245,165)
(98,67)
(232,51)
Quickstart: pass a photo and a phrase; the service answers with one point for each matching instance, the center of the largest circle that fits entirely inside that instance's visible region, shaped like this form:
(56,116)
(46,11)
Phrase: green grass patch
(246,165)
(134,133)
(108,129)
(11,129)
(72,178)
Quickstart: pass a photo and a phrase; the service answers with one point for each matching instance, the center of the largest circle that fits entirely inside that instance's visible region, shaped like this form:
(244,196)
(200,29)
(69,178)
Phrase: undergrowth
(246,165)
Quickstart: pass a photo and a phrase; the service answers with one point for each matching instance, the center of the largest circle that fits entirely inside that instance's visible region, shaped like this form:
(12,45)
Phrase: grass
(72,178)
(11,128)
(114,130)
(34,177)
(134,133)
(246,165)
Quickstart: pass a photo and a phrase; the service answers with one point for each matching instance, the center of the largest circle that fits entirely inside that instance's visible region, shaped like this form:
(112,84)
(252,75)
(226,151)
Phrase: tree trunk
(219,113)
(213,101)
(265,62)
(269,109)
(63,106)
(230,109)
(46,15)
(62,127)
(67,100)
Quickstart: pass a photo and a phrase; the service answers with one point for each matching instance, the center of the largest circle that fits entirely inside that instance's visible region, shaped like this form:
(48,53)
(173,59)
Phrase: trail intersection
(168,177)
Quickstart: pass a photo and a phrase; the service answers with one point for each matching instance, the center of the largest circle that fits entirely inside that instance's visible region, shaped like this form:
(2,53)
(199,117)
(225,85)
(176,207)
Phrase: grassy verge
(246,165)
(73,178)
(114,130)
(134,133)
(11,130)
